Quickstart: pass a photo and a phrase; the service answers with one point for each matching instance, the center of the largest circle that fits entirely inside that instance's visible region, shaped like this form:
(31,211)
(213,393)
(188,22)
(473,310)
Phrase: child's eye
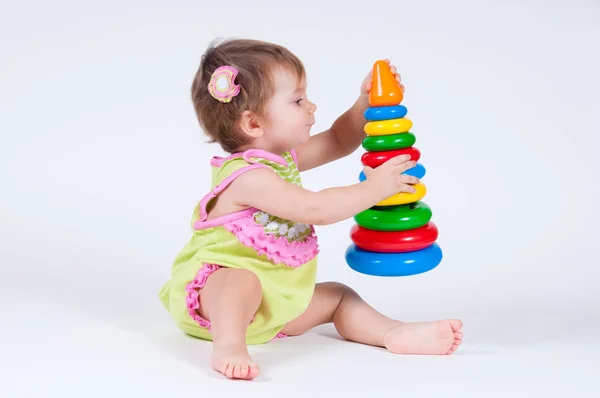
(298,101)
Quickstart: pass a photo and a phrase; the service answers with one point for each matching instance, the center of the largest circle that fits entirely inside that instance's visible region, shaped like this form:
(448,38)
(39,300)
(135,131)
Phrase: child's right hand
(388,178)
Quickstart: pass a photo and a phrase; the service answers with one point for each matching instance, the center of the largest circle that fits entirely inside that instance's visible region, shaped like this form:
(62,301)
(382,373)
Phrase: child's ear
(251,124)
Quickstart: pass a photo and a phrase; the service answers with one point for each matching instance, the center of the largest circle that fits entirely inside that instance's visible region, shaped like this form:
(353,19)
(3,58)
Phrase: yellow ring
(404,197)
(390,126)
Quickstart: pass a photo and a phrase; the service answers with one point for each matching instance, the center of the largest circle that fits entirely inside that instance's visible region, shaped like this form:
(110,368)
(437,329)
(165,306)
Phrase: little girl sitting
(248,273)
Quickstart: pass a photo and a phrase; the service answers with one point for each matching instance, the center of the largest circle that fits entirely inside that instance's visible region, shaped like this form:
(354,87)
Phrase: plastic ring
(393,264)
(394,241)
(417,171)
(385,112)
(404,197)
(391,126)
(376,159)
(395,218)
(388,142)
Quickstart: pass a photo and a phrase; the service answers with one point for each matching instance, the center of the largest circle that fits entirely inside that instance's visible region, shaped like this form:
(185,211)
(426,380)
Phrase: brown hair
(254,60)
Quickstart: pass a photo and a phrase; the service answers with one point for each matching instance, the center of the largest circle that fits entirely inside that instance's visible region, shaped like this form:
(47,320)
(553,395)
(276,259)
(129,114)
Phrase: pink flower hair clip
(221,85)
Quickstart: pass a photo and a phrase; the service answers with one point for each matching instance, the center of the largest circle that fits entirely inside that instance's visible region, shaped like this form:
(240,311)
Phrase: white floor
(52,349)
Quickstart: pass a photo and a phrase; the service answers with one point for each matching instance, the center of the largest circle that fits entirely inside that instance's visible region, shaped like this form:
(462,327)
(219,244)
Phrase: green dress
(280,252)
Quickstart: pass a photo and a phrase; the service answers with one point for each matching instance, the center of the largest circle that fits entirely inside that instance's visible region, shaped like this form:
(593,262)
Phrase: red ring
(376,159)
(394,241)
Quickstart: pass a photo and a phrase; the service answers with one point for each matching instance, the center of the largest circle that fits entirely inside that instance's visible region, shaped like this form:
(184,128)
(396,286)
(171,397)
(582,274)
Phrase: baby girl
(248,273)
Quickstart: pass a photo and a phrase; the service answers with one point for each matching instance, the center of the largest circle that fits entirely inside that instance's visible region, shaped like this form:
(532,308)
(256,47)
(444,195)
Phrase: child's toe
(456,324)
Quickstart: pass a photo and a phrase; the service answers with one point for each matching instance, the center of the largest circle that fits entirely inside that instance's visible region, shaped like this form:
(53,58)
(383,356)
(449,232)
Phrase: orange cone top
(386,90)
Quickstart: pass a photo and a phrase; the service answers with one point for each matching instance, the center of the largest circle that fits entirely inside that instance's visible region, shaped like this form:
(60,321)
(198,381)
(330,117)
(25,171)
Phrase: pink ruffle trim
(192,299)
(277,248)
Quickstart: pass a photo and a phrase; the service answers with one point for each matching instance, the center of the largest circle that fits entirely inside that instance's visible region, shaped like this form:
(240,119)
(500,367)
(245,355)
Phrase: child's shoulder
(247,176)
(230,165)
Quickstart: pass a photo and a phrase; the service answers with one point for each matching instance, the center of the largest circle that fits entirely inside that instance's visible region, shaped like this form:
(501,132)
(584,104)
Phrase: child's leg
(355,320)
(229,300)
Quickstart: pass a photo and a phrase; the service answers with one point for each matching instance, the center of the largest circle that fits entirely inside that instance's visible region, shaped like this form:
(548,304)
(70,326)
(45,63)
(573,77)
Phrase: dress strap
(294,156)
(219,187)
(249,157)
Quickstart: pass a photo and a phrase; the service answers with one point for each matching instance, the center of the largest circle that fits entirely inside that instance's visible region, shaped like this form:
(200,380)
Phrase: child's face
(290,115)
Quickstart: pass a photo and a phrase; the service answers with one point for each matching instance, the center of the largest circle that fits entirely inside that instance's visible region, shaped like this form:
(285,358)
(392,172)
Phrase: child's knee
(240,279)
(335,288)
(248,279)
(232,283)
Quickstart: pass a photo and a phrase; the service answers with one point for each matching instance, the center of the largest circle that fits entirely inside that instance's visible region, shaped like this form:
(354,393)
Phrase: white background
(102,162)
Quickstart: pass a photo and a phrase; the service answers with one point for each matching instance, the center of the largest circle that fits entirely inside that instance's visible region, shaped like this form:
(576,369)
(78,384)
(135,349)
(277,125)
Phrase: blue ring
(393,264)
(417,171)
(385,112)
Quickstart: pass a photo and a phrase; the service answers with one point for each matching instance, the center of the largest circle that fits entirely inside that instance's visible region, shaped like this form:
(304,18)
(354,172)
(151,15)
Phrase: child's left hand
(367,84)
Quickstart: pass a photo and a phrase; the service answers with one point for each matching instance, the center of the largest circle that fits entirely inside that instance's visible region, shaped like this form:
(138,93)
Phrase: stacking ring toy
(405,197)
(393,264)
(396,236)
(417,171)
(386,112)
(395,218)
(391,126)
(394,241)
(388,142)
(376,159)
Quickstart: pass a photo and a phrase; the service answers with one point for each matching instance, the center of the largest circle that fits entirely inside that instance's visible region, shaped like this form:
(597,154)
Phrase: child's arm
(263,189)
(340,140)
(343,137)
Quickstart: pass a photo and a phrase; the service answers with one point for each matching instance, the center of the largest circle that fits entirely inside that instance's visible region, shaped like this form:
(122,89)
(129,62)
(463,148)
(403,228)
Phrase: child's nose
(312,108)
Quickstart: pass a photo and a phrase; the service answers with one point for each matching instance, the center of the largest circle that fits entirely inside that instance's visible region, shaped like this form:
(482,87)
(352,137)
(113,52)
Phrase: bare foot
(425,338)
(234,362)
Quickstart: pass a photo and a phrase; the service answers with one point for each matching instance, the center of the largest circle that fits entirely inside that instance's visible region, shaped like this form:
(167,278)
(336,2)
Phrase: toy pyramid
(396,237)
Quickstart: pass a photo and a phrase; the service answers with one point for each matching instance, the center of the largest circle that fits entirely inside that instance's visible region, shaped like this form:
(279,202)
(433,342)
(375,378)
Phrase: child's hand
(368,84)
(388,177)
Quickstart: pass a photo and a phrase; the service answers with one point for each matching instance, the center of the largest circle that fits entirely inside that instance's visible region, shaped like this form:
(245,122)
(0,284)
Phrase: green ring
(388,142)
(395,218)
